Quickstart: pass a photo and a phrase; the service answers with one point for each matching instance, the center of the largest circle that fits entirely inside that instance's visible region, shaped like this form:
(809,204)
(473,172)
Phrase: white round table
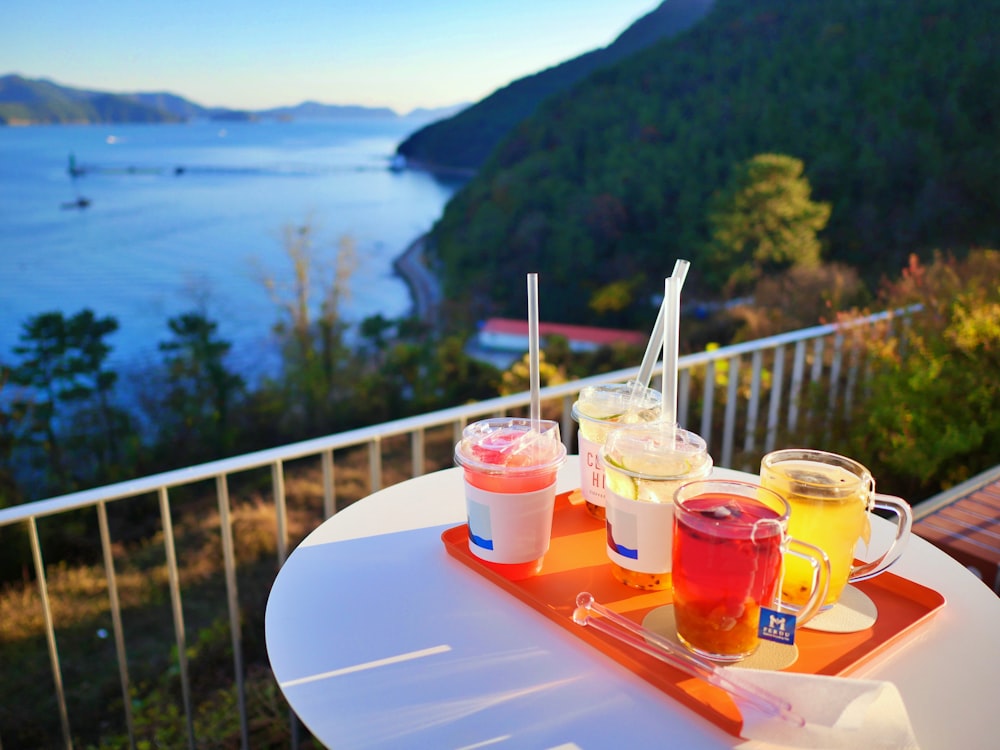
(380,639)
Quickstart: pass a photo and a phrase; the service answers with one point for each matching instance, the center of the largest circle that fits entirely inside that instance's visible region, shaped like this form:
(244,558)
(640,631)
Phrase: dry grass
(81,610)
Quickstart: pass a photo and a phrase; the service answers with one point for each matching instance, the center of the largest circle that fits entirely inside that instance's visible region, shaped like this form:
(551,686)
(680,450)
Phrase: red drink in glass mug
(729,538)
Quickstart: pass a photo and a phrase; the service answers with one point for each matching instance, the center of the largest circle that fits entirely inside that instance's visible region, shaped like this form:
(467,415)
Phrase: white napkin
(839,712)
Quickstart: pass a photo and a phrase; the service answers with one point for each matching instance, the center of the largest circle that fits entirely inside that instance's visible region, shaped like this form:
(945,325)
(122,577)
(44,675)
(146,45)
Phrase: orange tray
(577,561)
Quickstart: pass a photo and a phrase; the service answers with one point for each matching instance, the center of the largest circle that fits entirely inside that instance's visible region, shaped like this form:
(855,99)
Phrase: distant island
(25,101)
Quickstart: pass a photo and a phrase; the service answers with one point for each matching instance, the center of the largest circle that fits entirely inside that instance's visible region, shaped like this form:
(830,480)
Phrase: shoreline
(425,290)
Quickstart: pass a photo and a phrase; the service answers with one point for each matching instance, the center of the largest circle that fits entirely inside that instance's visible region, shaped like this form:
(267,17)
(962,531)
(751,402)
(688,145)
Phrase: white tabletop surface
(380,639)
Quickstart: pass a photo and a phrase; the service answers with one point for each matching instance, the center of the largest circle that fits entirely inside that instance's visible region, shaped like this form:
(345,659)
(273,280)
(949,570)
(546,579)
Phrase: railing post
(798,371)
(853,365)
(835,365)
(281,513)
(707,399)
(178,610)
(116,617)
(375,464)
(229,560)
(567,427)
(329,488)
(729,424)
(280,510)
(683,396)
(753,407)
(815,374)
(774,406)
(50,632)
(417,450)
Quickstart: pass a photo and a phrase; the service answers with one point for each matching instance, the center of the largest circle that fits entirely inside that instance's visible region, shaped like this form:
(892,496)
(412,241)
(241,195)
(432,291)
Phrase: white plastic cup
(510,488)
(645,465)
(599,410)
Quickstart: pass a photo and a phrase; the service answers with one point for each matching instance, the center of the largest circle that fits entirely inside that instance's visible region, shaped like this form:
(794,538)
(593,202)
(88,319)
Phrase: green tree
(932,418)
(764,221)
(460,378)
(66,396)
(376,328)
(9,492)
(200,392)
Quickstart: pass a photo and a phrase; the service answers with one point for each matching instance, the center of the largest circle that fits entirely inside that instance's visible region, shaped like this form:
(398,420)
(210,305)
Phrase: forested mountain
(892,107)
(27,101)
(464,141)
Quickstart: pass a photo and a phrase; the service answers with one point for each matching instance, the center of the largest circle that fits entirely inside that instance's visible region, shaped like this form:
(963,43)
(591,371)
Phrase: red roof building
(506,334)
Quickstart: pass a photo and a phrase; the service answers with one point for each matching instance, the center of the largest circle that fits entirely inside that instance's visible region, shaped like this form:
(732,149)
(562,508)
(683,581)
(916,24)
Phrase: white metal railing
(761,400)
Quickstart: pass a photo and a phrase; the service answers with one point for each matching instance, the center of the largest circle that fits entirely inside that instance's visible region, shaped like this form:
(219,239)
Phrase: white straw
(680,272)
(671,334)
(533,375)
(655,345)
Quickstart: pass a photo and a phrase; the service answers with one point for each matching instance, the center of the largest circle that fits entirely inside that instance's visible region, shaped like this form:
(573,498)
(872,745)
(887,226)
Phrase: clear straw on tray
(621,628)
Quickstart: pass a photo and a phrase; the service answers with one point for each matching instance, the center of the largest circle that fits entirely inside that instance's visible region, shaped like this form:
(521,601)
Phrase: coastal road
(424,287)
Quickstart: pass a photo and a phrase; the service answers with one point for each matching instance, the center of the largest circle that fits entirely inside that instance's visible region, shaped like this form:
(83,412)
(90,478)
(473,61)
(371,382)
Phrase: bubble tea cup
(599,410)
(831,498)
(644,465)
(510,485)
(729,540)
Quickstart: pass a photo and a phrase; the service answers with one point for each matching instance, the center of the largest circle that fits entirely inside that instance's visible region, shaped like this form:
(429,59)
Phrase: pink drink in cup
(510,471)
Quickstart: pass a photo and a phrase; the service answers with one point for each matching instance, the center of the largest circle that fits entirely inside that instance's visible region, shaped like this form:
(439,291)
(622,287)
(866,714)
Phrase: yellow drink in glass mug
(830,498)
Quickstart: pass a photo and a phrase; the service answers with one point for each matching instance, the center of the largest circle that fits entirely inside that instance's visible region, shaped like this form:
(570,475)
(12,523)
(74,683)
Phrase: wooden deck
(965,522)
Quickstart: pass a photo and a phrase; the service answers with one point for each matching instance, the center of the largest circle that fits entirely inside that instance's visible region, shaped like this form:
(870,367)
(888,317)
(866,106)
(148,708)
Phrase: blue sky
(256,54)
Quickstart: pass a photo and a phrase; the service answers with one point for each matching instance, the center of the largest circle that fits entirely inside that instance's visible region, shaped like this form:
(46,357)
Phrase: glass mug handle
(904,520)
(820,565)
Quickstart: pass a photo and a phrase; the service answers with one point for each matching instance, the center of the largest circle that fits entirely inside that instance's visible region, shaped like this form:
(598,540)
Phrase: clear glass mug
(831,498)
(730,540)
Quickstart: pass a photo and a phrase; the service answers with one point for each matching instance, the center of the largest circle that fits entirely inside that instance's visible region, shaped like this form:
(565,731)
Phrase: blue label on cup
(480,528)
(776,626)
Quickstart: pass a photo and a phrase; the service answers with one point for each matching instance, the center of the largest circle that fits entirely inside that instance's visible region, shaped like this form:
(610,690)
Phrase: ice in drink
(599,410)
(644,465)
(510,467)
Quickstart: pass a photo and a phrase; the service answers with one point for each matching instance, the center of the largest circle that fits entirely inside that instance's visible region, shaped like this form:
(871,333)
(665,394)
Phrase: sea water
(191,217)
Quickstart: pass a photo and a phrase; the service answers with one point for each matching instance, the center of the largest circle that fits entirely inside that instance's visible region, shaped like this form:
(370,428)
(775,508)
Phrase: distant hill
(435,113)
(314,110)
(175,105)
(894,109)
(464,141)
(26,101)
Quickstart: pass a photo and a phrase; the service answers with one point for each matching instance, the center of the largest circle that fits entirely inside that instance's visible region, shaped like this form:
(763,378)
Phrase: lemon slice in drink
(618,482)
(604,408)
